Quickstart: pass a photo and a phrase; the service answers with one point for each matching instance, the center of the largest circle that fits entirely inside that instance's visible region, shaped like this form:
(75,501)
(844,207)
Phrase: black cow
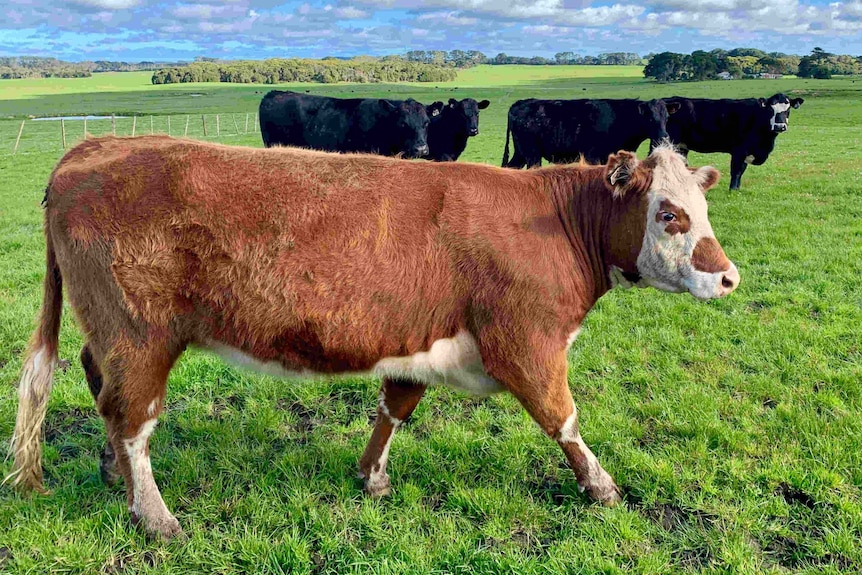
(378,126)
(449,130)
(746,129)
(562,131)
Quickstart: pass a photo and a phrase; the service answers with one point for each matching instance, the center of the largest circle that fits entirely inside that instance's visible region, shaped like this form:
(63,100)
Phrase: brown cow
(294,261)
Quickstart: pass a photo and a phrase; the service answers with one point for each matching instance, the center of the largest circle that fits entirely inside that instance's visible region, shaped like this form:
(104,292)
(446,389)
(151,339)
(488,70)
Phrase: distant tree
(665,67)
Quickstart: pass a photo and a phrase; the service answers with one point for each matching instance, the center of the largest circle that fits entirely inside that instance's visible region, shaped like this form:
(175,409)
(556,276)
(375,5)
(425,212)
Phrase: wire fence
(42,135)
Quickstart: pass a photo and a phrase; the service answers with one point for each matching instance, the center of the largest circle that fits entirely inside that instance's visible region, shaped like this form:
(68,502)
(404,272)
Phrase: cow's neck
(584,206)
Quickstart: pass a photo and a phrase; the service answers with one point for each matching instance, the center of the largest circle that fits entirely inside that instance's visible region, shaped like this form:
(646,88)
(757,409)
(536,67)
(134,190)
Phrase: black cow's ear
(673,107)
(387,104)
(796,102)
(620,171)
(453,102)
(484,104)
(642,108)
(762,102)
(435,109)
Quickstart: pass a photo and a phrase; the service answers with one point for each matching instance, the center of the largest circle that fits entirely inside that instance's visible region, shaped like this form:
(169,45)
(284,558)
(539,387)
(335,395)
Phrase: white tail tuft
(33,392)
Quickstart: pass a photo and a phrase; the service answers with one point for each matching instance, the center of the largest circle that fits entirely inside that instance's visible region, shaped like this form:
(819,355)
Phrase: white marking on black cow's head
(780,107)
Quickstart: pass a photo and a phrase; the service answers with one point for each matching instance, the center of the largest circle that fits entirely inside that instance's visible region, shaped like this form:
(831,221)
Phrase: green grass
(734,427)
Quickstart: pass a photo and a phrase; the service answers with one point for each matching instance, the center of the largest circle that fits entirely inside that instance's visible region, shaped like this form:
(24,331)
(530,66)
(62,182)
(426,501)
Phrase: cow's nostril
(726,282)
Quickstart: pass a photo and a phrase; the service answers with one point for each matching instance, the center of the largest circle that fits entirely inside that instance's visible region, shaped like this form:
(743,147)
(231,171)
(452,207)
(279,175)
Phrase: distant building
(725,76)
(770,76)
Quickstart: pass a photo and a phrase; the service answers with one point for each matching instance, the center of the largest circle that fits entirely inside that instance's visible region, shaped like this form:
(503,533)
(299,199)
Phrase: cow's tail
(506,149)
(36,378)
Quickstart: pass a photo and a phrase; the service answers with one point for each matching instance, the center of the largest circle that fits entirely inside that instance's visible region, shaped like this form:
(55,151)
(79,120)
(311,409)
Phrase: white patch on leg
(148,504)
(377,482)
(568,432)
(749,158)
(151,410)
(385,410)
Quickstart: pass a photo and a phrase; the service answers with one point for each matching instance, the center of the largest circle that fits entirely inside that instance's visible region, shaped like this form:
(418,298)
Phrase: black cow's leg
(108,464)
(737,168)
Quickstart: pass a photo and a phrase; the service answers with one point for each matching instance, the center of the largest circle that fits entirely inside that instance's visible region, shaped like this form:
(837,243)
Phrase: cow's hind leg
(130,401)
(108,463)
(398,399)
(544,393)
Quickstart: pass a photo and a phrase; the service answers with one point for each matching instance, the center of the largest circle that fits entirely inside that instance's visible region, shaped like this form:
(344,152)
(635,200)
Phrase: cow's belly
(454,362)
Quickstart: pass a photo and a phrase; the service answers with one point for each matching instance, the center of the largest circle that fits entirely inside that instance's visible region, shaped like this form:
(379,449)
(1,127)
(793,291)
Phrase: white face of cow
(679,251)
(780,106)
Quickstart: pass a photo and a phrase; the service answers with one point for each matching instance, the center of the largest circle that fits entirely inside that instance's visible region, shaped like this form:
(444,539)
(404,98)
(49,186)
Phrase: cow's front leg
(398,399)
(542,388)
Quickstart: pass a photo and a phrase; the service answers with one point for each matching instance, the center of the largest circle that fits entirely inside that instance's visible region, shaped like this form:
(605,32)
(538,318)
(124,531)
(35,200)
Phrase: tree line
(468,58)
(747,63)
(327,70)
(38,67)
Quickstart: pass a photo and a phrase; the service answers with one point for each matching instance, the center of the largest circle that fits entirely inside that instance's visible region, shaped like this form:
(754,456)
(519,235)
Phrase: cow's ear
(762,102)
(642,108)
(796,102)
(706,177)
(673,107)
(620,171)
(387,104)
(484,104)
(453,102)
(435,109)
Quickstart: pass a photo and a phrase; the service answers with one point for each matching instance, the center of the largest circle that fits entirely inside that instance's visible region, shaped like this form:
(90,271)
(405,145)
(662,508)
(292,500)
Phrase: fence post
(218,126)
(134,124)
(246,123)
(63,130)
(204,120)
(151,125)
(186,132)
(235,127)
(113,125)
(169,125)
(18,139)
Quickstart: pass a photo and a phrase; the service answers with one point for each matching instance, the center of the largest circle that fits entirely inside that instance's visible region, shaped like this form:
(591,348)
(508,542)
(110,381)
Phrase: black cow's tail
(506,149)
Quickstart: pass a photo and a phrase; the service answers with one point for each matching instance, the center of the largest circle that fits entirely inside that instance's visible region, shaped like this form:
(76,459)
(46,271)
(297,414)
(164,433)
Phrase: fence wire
(45,136)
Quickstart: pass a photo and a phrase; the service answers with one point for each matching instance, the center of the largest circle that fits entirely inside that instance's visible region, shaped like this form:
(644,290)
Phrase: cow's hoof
(108,467)
(166,527)
(377,486)
(605,491)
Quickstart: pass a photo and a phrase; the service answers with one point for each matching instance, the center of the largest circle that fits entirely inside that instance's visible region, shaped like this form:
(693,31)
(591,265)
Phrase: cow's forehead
(673,180)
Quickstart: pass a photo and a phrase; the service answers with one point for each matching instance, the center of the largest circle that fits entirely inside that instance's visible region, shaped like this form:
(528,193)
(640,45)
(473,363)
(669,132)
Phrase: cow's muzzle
(729,281)
(420,151)
(473,131)
(778,128)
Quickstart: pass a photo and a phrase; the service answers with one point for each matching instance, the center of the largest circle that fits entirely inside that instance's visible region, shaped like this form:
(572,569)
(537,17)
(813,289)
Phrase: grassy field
(734,427)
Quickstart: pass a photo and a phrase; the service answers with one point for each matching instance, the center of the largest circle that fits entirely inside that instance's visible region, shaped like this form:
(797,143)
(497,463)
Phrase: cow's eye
(668,217)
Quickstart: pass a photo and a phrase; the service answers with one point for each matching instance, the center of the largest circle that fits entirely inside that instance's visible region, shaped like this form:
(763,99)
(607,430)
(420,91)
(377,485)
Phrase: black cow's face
(779,107)
(655,113)
(466,113)
(411,125)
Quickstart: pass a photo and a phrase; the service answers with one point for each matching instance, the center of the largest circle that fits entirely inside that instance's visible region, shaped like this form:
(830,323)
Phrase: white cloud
(108,4)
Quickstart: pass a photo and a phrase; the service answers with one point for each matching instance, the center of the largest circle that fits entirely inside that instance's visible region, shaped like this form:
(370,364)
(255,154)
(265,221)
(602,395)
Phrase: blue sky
(134,30)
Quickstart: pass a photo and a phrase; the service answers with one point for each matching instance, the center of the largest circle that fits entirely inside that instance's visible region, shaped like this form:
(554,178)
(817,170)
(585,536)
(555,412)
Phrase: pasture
(734,427)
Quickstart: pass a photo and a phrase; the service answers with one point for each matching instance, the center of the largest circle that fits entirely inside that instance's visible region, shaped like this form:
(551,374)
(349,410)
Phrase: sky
(135,30)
